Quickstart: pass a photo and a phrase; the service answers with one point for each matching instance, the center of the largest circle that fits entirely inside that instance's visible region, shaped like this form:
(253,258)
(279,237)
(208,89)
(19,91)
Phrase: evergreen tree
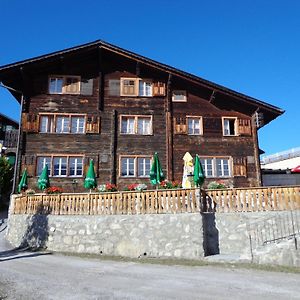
(6,176)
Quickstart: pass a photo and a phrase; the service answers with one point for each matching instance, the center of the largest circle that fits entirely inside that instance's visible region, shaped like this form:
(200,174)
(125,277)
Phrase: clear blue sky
(250,46)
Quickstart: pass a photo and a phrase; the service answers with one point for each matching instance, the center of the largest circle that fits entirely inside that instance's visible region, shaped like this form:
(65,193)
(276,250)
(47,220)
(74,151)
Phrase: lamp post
(18,158)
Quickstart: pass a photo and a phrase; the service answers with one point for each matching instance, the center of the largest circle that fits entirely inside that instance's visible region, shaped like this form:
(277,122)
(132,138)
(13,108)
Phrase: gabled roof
(275,111)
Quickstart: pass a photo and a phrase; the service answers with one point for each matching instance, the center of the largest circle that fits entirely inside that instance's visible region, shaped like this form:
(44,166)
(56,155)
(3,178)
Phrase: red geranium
(54,190)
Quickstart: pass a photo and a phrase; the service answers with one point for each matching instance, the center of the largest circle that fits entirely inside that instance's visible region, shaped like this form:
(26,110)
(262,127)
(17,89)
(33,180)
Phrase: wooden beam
(169,130)
(212,96)
(101,80)
(256,151)
(138,69)
(62,65)
(26,89)
(113,147)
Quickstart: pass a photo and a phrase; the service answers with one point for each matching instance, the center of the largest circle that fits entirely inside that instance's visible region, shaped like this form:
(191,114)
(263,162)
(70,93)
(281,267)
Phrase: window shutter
(180,125)
(92,124)
(30,122)
(114,87)
(240,166)
(86,87)
(159,89)
(244,127)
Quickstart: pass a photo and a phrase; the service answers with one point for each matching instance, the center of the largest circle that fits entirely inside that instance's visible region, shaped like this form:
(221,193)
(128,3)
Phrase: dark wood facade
(99,65)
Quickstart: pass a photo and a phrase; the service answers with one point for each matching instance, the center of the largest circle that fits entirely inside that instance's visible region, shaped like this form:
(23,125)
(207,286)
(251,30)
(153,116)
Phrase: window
(194,125)
(145,88)
(222,167)
(46,124)
(216,167)
(41,163)
(61,166)
(136,125)
(135,166)
(144,166)
(129,87)
(77,124)
(127,125)
(63,124)
(127,167)
(179,96)
(56,85)
(144,125)
(64,85)
(138,87)
(207,164)
(76,166)
(229,126)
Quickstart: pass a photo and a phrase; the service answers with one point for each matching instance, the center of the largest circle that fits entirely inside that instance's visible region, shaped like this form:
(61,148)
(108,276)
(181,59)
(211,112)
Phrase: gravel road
(34,275)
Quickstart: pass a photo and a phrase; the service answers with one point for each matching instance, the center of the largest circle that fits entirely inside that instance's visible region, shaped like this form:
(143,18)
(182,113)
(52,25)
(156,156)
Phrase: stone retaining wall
(183,235)
(167,235)
(235,229)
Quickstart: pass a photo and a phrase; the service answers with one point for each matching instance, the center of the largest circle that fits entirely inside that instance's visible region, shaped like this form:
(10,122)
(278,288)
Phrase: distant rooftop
(291,153)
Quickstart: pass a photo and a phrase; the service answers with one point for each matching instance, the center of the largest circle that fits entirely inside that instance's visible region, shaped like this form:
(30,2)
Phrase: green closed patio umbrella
(43,181)
(90,179)
(156,173)
(23,182)
(198,172)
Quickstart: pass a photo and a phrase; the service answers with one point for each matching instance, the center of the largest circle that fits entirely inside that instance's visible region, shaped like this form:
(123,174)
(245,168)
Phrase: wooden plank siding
(109,144)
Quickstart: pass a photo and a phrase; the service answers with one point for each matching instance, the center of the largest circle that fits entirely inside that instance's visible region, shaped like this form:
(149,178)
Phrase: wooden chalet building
(98,101)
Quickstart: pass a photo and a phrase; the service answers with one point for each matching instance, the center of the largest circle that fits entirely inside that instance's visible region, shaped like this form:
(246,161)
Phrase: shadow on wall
(210,231)
(37,233)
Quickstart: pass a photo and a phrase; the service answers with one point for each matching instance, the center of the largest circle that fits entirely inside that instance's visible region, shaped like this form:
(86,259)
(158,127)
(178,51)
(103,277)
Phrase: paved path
(29,275)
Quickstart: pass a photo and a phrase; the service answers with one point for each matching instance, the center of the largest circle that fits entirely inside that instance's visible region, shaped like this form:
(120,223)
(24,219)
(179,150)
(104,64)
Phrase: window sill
(65,93)
(136,134)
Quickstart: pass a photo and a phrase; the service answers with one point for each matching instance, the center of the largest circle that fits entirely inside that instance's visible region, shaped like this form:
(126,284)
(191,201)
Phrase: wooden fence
(252,199)
(161,201)
(148,202)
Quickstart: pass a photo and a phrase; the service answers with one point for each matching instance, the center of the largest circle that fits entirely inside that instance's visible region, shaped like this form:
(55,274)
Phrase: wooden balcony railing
(252,199)
(11,138)
(148,202)
(161,201)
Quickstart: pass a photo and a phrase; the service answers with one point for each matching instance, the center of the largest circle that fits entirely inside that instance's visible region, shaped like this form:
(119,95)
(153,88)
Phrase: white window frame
(144,88)
(64,84)
(127,158)
(51,164)
(215,166)
(75,166)
(55,78)
(49,123)
(193,118)
(144,167)
(72,117)
(184,94)
(136,120)
(63,123)
(53,125)
(60,165)
(136,165)
(226,126)
(43,158)
(222,159)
